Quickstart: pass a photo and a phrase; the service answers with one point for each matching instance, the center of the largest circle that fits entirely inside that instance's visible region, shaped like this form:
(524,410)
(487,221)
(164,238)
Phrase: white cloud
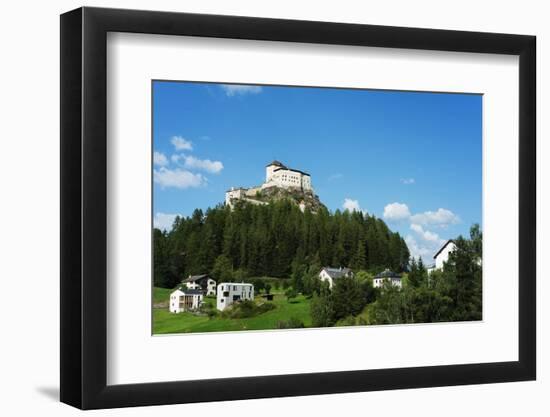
(160,159)
(177,178)
(396,212)
(407,181)
(351,205)
(426,234)
(417,249)
(425,245)
(335,177)
(181,144)
(442,217)
(234,89)
(164,221)
(190,162)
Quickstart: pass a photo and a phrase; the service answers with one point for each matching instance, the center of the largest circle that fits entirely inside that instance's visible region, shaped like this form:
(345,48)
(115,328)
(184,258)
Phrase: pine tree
(360,260)
(264,240)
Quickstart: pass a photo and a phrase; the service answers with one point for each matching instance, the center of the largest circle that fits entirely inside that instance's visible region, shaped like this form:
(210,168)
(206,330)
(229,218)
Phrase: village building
(231,292)
(201,282)
(442,255)
(185,299)
(330,275)
(387,276)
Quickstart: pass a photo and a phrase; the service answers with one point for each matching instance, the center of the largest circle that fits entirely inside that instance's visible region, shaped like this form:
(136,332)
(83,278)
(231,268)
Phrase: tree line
(275,240)
(453,293)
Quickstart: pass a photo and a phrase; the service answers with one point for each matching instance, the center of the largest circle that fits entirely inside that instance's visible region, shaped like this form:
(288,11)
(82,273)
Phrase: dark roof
(193,278)
(276,163)
(283,166)
(292,169)
(443,247)
(386,273)
(336,272)
(187,291)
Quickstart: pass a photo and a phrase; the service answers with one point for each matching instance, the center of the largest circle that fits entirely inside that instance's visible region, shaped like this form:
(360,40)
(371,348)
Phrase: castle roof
(291,169)
(283,166)
(277,164)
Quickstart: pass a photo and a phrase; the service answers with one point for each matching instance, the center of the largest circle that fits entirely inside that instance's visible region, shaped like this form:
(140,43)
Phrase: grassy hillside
(161,295)
(165,322)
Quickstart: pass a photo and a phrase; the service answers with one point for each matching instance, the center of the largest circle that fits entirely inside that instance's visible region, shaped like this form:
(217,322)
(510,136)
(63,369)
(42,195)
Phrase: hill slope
(307,198)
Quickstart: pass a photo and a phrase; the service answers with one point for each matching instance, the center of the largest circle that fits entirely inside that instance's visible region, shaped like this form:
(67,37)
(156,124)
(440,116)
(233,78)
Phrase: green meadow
(165,322)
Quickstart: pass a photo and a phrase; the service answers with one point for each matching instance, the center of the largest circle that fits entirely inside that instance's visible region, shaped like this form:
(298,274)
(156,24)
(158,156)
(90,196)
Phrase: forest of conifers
(270,240)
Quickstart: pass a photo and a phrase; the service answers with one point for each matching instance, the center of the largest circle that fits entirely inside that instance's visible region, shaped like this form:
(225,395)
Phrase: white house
(389,276)
(201,282)
(185,299)
(329,274)
(442,255)
(229,292)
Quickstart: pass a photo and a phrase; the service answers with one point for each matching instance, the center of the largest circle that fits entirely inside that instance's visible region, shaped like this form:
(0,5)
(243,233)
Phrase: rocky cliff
(305,199)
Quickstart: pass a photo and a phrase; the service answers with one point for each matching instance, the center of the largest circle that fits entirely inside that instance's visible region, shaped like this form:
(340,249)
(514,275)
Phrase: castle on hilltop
(276,175)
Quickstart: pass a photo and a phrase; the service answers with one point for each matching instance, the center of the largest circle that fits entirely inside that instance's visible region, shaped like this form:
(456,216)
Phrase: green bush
(292,323)
(211,313)
(290,294)
(348,321)
(246,308)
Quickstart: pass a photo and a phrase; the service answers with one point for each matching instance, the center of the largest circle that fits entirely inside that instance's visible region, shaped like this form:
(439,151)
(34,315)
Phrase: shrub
(290,294)
(348,321)
(322,309)
(292,323)
(265,307)
(211,313)
(246,308)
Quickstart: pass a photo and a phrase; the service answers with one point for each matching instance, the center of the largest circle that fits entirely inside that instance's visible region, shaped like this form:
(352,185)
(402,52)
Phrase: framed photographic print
(258,207)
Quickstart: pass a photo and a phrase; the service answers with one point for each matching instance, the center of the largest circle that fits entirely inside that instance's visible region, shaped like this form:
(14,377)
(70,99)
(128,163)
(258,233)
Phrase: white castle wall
(286,178)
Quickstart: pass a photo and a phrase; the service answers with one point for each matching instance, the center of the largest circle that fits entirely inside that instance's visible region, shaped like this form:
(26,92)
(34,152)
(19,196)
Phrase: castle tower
(270,169)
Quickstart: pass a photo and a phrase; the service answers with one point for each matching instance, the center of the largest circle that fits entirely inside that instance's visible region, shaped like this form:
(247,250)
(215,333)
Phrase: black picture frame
(84,207)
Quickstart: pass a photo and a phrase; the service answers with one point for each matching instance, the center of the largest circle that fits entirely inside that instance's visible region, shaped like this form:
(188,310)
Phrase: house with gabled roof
(201,282)
(185,299)
(442,255)
(387,276)
(330,274)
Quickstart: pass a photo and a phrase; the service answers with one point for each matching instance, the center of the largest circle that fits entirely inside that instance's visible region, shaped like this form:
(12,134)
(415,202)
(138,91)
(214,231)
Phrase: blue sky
(413,159)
